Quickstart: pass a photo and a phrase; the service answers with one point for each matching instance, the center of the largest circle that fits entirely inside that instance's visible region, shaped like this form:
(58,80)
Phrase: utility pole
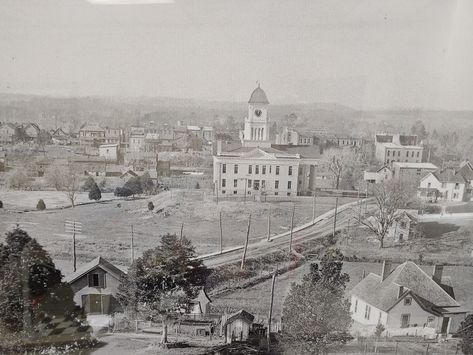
(74,228)
(271,311)
(269,224)
(246,243)
(313,207)
(335,216)
(292,227)
(132,246)
(182,231)
(216,189)
(221,233)
(246,187)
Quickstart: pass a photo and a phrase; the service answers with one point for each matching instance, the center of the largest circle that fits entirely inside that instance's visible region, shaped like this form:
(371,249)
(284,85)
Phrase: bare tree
(338,160)
(389,199)
(66,179)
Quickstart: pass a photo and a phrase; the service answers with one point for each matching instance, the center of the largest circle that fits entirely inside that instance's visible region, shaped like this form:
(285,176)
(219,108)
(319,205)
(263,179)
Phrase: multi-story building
(90,135)
(258,168)
(288,136)
(390,148)
(411,172)
(346,141)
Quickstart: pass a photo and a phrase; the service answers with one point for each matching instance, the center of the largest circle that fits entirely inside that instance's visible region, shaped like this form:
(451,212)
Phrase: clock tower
(256,131)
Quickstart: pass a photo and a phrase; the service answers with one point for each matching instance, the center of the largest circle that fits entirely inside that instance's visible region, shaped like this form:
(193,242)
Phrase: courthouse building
(259,167)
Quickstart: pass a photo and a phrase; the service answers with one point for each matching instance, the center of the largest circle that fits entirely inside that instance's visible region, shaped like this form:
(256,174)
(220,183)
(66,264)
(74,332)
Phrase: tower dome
(258,96)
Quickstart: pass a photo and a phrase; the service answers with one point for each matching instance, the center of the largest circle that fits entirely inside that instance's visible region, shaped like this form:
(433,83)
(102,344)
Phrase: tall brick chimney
(437,275)
(387,265)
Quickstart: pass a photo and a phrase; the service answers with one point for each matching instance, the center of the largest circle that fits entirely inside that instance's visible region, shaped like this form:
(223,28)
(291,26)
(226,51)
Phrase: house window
(407,301)
(418,154)
(256,185)
(457,186)
(444,185)
(270,169)
(277,169)
(96,280)
(234,192)
(412,154)
(249,183)
(224,182)
(367,312)
(223,191)
(256,169)
(276,184)
(224,168)
(407,154)
(289,185)
(405,319)
(263,169)
(290,171)
(250,169)
(356,305)
(403,224)
(430,319)
(389,153)
(289,194)
(235,169)
(430,184)
(235,183)
(398,153)
(263,184)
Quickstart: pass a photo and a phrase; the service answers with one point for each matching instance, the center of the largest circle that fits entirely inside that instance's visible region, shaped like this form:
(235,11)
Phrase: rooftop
(385,294)
(415,165)
(97,262)
(258,96)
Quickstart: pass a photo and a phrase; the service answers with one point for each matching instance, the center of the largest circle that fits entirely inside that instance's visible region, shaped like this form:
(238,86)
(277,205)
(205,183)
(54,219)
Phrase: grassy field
(18,200)
(107,225)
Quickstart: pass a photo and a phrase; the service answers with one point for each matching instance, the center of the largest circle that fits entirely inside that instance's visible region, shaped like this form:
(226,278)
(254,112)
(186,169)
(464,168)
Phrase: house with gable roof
(406,300)
(95,286)
(447,184)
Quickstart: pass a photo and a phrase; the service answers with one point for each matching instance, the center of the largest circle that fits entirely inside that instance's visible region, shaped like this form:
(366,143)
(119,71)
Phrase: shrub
(88,184)
(95,193)
(122,192)
(150,206)
(40,206)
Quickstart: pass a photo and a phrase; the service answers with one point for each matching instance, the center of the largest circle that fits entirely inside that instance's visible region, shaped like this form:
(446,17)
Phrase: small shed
(238,326)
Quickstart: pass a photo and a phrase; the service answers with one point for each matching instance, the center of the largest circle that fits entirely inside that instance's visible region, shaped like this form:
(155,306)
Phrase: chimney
(401,291)
(386,269)
(219,147)
(437,275)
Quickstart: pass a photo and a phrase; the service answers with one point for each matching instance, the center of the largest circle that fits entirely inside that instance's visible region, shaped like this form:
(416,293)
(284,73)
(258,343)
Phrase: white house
(405,226)
(406,301)
(7,132)
(109,151)
(446,185)
(379,175)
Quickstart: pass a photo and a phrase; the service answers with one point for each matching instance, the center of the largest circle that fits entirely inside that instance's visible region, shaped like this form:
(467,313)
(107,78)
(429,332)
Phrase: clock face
(258,113)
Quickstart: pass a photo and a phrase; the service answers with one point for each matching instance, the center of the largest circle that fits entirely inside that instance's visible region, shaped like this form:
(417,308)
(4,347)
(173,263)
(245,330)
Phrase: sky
(366,54)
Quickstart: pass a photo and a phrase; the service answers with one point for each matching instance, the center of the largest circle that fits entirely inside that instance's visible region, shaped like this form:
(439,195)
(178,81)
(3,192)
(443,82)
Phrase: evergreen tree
(466,334)
(95,193)
(29,279)
(150,205)
(88,184)
(40,206)
(418,129)
(164,280)
(147,185)
(316,314)
(134,185)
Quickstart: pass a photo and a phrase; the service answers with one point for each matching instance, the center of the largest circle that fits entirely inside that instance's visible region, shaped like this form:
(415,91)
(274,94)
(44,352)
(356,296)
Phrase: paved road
(317,231)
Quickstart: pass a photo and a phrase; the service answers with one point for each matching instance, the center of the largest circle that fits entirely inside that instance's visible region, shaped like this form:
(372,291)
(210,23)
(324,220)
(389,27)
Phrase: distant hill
(71,112)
